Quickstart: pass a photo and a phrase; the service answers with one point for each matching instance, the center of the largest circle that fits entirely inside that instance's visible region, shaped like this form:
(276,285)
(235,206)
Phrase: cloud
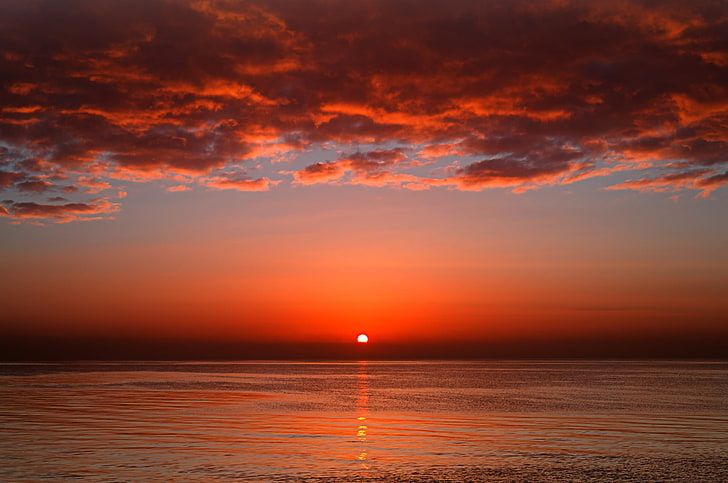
(93,184)
(713,181)
(522,94)
(320,172)
(705,180)
(63,213)
(7,178)
(34,186)
(236,181)
(370,168)
(179,187)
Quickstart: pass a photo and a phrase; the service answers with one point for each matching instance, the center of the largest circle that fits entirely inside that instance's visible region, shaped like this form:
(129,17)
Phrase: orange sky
(274,171)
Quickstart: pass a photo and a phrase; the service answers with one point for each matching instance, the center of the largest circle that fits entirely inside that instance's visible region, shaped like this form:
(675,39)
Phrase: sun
(362,339)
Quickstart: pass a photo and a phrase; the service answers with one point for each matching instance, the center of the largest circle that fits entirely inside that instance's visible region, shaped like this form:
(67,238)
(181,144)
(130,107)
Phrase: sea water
(364,421)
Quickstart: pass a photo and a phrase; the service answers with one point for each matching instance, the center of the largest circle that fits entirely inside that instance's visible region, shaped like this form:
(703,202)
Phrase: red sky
(422,171)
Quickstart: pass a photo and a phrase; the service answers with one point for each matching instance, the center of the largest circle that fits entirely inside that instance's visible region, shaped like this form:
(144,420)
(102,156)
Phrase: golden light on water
(362,407)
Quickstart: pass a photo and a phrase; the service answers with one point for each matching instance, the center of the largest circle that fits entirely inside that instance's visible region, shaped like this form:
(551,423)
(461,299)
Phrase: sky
(427,172)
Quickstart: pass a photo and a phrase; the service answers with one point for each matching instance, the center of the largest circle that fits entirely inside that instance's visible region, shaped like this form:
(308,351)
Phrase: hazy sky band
(420,95)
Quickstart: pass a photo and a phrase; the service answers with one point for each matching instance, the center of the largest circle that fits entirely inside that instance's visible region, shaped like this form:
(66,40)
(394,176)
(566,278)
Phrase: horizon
(65,349)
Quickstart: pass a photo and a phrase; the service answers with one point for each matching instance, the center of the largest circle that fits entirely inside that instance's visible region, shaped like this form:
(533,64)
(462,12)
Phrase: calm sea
(364,421)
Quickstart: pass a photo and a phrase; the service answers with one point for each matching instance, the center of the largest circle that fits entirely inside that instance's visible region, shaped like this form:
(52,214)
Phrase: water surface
(364,421)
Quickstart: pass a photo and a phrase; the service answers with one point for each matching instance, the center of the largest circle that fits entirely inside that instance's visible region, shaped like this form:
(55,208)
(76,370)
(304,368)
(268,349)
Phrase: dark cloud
(33,165)
(7,178)
(713,181)
(34,186)
(702,179)
(376,160)
(60,213)
(524,93)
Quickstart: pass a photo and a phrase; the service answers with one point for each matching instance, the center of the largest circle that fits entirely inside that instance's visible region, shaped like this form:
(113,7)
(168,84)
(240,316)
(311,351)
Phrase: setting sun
(362,338)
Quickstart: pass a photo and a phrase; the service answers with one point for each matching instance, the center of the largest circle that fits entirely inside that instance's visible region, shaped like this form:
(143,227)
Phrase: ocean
(364,421)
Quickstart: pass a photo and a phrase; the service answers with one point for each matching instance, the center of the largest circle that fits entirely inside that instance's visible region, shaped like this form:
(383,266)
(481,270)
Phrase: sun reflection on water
(362,409)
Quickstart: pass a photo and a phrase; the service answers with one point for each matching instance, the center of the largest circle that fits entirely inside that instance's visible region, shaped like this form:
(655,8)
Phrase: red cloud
(524,93)
(236,181)
(368,168)
(320,172)
(179,187)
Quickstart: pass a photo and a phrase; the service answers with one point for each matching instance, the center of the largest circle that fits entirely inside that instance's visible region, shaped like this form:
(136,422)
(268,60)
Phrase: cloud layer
(418,95)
